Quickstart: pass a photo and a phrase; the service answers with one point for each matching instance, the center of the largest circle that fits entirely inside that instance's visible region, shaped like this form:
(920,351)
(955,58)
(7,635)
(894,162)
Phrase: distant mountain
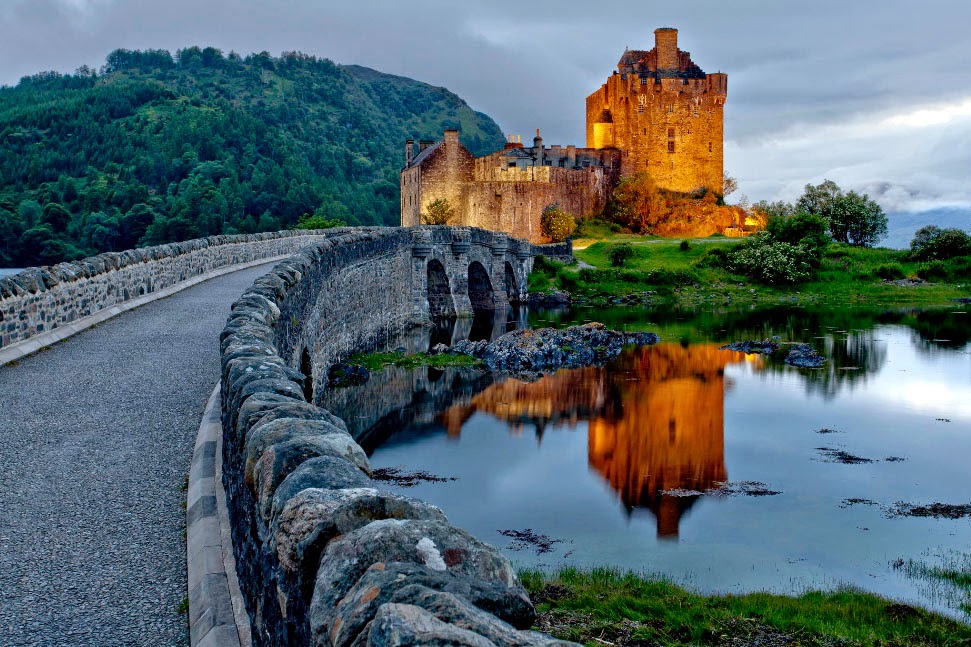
(158,148)
(902,225)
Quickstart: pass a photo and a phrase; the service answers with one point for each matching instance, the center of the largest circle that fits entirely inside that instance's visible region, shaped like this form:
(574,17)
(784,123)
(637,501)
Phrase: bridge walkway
(96,435)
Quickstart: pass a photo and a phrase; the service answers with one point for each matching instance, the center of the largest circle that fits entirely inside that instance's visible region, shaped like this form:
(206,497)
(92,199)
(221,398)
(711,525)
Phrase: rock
(430,547)
(314,517)
(804,356)
(279,460)
(750,347)
(549,299)
(397,625)
(282,430)
(340,375)
(549,349)
(323,472)
(438,349)
(450,608)
(962,299)
(301,410)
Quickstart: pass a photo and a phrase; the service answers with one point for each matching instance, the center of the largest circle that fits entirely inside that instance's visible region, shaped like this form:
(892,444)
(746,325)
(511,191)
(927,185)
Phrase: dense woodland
(157,148)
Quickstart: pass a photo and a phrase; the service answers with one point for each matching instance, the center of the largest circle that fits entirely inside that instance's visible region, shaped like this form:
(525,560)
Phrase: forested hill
(159,147)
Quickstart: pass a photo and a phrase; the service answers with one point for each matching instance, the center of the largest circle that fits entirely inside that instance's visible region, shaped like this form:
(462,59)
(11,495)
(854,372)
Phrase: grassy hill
(159,147)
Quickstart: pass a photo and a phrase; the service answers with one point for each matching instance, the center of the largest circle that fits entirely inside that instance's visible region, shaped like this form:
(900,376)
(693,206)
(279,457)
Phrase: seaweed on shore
(402,478)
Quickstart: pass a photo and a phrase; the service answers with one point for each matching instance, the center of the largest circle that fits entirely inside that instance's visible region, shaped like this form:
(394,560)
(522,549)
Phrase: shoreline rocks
(799,355)
(549,349)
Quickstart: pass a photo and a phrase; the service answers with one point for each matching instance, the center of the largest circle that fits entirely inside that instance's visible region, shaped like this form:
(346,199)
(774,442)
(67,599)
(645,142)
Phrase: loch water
(626,465)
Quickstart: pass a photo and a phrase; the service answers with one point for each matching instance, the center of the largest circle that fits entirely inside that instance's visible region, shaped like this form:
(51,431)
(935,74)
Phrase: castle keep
(658,113)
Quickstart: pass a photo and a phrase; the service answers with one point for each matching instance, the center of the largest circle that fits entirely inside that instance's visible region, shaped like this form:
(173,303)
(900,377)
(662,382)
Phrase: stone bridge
(319,553)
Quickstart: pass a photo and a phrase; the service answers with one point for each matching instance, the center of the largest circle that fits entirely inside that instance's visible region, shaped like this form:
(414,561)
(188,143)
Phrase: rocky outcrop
(549,349)
(324,556)
(799,355)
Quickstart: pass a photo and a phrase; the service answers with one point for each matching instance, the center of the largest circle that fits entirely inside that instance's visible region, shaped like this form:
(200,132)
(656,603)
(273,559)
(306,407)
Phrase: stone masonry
(326,557)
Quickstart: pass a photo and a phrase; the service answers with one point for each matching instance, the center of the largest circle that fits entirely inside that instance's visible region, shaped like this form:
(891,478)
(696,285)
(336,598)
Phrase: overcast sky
(875,94)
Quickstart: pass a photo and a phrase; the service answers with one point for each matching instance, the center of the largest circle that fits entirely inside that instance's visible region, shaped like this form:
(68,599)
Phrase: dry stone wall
(41,299)
(324,555)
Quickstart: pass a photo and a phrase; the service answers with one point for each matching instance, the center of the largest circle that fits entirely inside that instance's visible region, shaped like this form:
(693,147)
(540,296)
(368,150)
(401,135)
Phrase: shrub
(889,272)
(934,243)
(684,246)
(712,258)
(800,228)
(620,254)
(933,270)
(438,212)
(770,261)
(556,224)
(318,222)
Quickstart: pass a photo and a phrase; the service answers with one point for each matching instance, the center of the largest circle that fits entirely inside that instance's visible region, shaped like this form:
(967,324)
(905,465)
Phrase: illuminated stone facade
(664,114)
(659,113)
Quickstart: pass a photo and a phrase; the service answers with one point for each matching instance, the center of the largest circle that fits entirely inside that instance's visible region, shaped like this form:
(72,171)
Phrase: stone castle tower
(664,114)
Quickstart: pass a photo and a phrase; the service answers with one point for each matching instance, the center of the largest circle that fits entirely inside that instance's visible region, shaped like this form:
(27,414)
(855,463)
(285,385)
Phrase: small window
(709,147)
(671,146)
(512,164)
(670,132)
(640,109)
(645,131)
(671,108)
(643,80)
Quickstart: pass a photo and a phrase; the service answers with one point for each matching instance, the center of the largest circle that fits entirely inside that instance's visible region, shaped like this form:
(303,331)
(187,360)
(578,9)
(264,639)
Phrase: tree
(729,185)
(806,229)
(818,199)
(556,224)
(857,220)
(853,218)
(438,212)
(934,243)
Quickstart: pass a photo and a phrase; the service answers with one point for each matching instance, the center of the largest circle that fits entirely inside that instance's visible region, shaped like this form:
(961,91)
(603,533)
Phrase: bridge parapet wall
(41,299)
(325,556)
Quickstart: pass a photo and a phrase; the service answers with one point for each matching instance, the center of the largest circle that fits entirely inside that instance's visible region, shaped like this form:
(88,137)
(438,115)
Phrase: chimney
(409,151)
(571,156)
(666,43)
(425,143)
(451,136)
(538,152)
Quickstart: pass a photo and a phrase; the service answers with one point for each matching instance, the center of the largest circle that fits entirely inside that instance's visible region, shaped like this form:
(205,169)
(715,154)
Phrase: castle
(658,113)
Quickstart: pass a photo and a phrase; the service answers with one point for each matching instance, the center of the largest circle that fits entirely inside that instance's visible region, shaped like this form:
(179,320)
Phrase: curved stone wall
(41,299)
(324,555)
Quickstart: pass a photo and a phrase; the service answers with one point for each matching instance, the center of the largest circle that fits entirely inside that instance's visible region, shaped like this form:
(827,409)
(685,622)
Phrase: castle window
(643,80)
(512,164)
(671,146)
(640,109)
(671,108)
(670,132)
(709,147)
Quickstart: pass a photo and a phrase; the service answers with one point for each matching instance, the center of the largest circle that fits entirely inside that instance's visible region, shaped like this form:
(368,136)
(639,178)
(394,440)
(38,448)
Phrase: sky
(874,94)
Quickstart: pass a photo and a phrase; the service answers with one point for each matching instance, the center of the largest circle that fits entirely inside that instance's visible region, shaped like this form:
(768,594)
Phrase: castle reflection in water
(655,421)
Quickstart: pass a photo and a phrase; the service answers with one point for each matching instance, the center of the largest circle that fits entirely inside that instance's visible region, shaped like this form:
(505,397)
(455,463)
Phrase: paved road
(96,435)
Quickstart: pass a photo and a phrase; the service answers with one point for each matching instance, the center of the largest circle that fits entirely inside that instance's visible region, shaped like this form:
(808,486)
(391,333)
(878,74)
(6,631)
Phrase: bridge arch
(439,290)
(511,282)
(481,293)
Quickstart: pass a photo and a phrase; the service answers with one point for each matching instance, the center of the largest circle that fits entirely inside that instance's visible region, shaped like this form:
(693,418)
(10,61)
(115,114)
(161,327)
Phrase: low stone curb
(21,349)
(217,612)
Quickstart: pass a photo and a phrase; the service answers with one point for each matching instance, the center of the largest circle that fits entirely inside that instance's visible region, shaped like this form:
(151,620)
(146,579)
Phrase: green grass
(377,361)
(949,580)
(625,609)
(846,274)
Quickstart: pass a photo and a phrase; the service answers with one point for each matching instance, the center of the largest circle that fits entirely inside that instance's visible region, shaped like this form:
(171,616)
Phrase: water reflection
(655,421)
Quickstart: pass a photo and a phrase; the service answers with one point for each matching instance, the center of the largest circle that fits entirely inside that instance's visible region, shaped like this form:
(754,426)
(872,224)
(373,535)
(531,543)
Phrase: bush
(684,246)
(556,224)
(319,222)
(801,228)
(771,262)
(934,243)
(933,271)
(889,272)
(712,258)
(620,254)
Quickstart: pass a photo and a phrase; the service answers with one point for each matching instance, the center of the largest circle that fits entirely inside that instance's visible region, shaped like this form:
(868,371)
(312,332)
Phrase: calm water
(6,271)
(611,462)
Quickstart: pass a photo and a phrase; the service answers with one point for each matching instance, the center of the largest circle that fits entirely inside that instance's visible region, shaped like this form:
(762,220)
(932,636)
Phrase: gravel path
(96,435)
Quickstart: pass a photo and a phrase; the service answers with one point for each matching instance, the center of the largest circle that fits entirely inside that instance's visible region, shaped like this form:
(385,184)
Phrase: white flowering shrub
(769,261)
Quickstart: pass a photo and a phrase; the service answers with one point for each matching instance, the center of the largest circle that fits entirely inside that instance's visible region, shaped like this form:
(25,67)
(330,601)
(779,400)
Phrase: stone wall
(41,299)
(325,556)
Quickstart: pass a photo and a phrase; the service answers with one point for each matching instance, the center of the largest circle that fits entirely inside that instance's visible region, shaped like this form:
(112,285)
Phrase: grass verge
(377,361)
(605,606)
